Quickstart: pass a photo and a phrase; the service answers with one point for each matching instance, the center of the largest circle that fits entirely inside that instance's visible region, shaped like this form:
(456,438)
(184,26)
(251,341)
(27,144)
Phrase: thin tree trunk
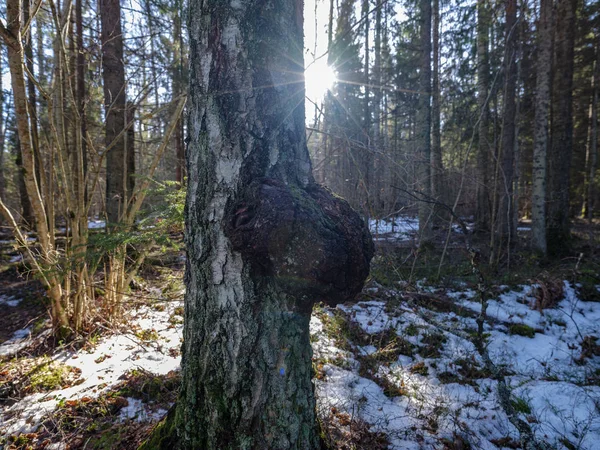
(130,152)
(2,132)
(504,185)
(482,217)
(436,137)
(363,171)
(12,36)
(32,99)
(561,149)
(377,182)
(81,99)
(13,39)
(593,144)
(540,133)
(377,80)
(113,72)
(178,79)
(423,119)
(26,212)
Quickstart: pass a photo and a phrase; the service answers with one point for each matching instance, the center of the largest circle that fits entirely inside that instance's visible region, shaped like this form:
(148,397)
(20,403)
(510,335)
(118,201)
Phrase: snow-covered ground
(408,372)
(401,228)
(450,395)
(152,344)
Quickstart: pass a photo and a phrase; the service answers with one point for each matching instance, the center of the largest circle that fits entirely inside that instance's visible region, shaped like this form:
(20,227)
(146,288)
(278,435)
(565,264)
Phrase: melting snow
(102,366)
(19,340)
(9,300)
(399,228)
(544,374)
(136,409)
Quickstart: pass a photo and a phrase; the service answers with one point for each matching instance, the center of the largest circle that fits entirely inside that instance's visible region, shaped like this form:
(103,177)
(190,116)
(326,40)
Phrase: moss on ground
(521,329)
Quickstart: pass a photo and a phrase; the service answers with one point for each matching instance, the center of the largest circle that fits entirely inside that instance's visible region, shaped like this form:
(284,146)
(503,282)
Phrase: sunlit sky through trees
(318,76)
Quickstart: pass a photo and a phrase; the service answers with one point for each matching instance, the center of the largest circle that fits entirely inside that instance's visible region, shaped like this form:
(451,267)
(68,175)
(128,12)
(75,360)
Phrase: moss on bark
(164,435)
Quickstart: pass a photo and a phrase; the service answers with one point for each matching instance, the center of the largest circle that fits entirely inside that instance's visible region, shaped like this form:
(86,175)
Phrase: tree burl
(312,243)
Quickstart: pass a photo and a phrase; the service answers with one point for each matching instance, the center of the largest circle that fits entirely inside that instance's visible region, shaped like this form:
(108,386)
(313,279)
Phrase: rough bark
(484,145)
(113,73)
(540,133)
(423,122)
(261,236)
(561,149)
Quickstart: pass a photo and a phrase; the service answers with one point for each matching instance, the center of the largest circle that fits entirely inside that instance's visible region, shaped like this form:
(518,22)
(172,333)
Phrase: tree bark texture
(113,73)
(561,149)
(540,133)
(264,241)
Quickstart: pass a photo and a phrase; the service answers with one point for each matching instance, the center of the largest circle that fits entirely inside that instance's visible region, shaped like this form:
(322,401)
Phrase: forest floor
(399,368)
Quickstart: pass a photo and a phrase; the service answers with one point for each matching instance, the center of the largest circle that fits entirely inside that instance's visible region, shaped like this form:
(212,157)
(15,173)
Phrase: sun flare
(319,78)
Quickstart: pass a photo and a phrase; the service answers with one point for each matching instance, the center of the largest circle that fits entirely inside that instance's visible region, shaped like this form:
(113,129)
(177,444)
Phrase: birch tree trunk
(540,133)
(264,241)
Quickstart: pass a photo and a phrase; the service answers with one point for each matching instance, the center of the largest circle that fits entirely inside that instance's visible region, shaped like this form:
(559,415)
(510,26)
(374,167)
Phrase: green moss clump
(520,405)
(412,330)
(49,375)
(521,329)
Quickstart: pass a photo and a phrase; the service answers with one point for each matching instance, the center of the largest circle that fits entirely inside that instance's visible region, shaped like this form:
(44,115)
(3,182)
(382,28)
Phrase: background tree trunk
(484,149)
(2,131)
(113,72)
(540,134)
(504,184)
(561,149)
(81,169)
(423,119)
(13,40)
(593,144)
(436,136)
